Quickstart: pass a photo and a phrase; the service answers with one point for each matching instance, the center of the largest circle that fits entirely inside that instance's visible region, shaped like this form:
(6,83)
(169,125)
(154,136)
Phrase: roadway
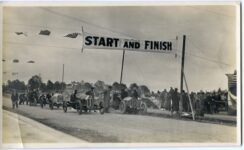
(126,128)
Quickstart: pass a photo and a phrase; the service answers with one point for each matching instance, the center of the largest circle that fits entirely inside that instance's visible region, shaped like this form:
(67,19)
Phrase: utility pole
(63,74)
(62,78)
(182,74)
(122,67)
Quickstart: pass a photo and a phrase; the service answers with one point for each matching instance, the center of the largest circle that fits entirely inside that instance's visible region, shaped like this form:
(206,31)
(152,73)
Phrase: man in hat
(175,102)
(73,96)
(91,94)
(14,98)
(107,98)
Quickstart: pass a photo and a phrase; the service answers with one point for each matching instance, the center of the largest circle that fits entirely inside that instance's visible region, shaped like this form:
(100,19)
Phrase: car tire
(143,108)
(51,105)
(122,107)
(101,108)
(65,107)
(80,109)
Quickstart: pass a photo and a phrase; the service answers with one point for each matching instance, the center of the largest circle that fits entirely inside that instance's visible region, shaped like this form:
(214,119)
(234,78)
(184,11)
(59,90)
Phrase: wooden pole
(63,74)
(122,67)
(192,111)
(63,78)
(83,39)
(182,74)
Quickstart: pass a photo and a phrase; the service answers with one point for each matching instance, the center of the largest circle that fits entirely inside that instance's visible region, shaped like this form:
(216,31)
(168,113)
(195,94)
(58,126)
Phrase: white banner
(103,42)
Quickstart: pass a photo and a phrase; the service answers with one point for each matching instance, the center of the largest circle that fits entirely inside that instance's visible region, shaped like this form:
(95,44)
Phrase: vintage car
(82,102)
(32,98)
(56,100)
(127,104)
(132,105)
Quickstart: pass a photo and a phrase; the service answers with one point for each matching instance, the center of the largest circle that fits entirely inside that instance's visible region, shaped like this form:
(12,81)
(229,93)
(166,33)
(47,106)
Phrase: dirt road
(111,127)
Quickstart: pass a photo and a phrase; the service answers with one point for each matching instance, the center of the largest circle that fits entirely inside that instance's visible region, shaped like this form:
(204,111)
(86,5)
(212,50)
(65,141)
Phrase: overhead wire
(39,26)
(86,22)
(35,44)
(101,27)
(211,11)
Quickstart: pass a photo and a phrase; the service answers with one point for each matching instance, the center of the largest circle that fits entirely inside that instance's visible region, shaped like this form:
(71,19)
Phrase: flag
(31,61)
(231,80)
(21,33)
(15,61)
(45,32)
(232,90)
(72,35)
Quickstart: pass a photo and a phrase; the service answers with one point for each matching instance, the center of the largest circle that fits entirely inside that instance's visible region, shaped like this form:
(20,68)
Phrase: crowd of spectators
(202,102)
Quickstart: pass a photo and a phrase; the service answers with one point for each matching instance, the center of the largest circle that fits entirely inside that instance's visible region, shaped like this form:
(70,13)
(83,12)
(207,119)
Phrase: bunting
(45,32)
(21,33)
(72,35)
(15,61)
(31,61)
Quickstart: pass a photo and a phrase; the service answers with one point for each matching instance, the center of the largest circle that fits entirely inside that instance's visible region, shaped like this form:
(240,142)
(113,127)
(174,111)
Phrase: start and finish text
(117,43)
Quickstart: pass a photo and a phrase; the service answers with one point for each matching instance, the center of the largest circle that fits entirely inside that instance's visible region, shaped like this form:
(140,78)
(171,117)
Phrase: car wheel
(65,107)
(122,107)
(51,106)
(143,108)
(80,108)
(101,108)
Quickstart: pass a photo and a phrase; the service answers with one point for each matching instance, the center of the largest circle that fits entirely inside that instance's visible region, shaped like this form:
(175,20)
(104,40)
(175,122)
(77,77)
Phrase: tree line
(35,82)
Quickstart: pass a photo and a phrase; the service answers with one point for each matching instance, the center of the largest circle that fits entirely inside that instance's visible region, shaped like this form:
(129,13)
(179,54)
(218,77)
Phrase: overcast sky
(210,44)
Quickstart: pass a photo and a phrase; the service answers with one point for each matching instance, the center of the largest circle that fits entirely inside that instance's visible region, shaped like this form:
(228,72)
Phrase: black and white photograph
(120,74)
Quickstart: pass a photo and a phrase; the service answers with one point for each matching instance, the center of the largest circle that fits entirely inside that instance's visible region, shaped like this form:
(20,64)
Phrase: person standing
(14,98)
(134,96)
(106,99)
(175,101)
(91,94)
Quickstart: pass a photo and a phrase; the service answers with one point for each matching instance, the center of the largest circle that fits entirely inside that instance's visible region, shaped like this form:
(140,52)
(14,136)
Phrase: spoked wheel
(80,108)
(101,108)
(41,104)
(65,107)
(143,108)
(122,107)
(51,105)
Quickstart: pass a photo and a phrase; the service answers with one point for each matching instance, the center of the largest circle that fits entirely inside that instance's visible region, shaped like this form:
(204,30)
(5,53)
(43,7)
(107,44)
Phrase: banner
(103,42)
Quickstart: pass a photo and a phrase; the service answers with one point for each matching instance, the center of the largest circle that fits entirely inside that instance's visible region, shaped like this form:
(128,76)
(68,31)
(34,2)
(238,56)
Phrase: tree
(133,85)
(122,86)
(144,90)
(43,87)
(50,85)
(57,86)
(115,86)
(87,86)
(63,85)
(100,85)
(34,82)
(16,84)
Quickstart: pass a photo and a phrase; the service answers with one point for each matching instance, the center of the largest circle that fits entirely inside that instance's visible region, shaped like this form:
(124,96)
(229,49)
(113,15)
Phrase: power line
(201,57)
(212,12)
(204,58)
(178,53)
(86,22)
(39,26)
(35,44)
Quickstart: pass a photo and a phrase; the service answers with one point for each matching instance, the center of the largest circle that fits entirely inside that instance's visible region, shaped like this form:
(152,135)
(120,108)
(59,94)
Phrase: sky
(210,44)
